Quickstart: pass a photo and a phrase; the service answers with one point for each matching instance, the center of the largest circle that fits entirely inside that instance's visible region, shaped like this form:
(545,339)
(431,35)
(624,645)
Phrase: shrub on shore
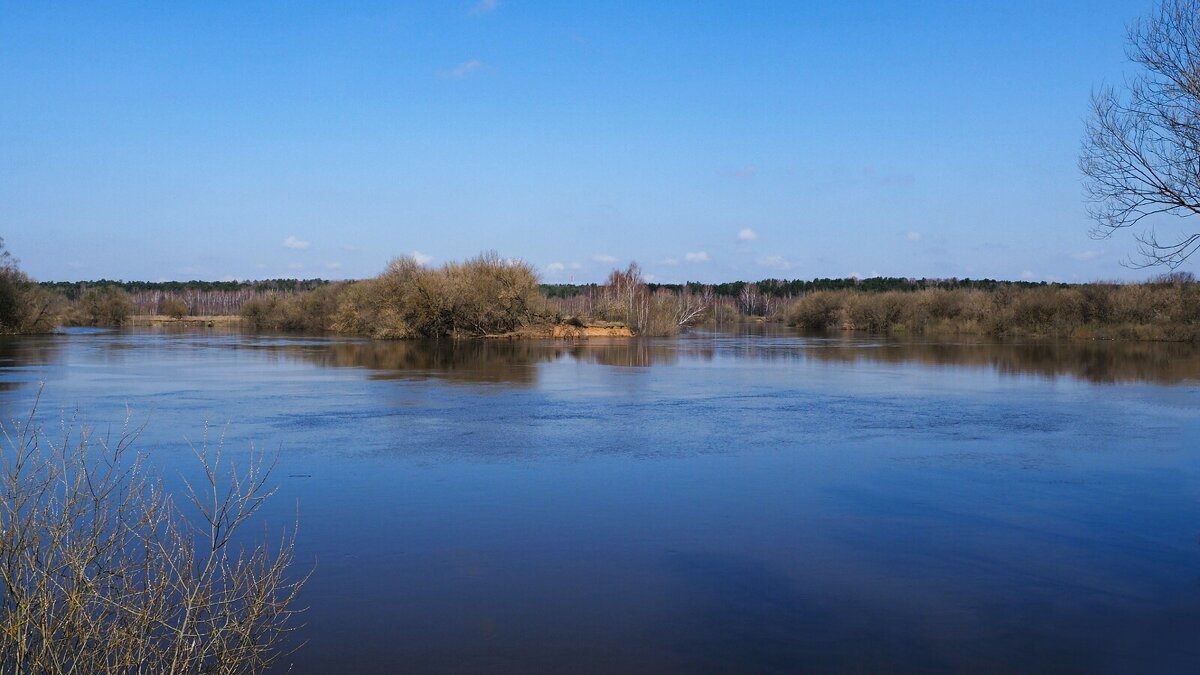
(1164,311)
(24,306)
(172,306)
(104,306)
(485,295)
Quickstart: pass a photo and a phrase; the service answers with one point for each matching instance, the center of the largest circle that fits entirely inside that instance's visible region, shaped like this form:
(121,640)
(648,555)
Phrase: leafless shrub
(24,307)
(101,306)
(101,572)
(314,310)
(816,311)
(485,295)
(626,297)
(172,306)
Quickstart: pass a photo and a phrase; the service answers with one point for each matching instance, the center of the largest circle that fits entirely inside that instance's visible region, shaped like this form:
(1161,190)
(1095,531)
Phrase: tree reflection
(22,356)
(516,361)
(1098,362)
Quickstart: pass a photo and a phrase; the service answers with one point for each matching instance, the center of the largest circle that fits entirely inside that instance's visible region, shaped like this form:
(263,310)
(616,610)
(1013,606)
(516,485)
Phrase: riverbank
(144,320)
(562,331)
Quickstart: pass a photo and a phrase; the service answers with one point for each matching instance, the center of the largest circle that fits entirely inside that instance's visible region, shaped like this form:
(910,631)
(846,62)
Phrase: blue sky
(707,141)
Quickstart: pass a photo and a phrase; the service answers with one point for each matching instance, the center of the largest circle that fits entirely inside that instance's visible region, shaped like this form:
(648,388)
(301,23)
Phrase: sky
(708,141)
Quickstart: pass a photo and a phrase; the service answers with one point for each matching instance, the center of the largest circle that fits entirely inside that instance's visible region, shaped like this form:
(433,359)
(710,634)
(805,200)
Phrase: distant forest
(789,288)
(227,297)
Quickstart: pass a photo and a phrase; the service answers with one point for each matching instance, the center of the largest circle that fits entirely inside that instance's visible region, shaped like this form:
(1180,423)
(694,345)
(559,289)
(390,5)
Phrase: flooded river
(720,502)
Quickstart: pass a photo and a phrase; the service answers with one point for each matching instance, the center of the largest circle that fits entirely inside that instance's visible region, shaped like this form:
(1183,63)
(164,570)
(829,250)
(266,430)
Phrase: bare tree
(1141,152)
(100,571)
(626,293)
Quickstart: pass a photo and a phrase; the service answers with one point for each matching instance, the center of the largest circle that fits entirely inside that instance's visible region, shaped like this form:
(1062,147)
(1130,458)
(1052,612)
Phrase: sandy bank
(161,320)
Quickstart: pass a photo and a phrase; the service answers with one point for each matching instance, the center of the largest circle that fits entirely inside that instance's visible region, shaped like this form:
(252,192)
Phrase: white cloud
(421,258)
(462,70)
(333,265)
(1087,255)
(912,235)
(1026,274)
(600,258)
(775,261)
(747,234)
(670,261)
(696,256)
(576,266)
(298,244)
(555,267)
(483,7)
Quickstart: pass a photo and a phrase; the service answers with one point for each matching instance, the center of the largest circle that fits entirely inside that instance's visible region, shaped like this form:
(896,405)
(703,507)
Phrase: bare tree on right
(1141,151)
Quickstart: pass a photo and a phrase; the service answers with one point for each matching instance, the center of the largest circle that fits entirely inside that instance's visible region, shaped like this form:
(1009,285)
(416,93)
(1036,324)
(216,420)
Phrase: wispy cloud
(462,70)
(295,243)
(912,235)
(334,265)
(696,256)
(1085,256)
(1027,274)
(747,234)
(601,258)
(555,267)
(670,261)
(483,7)
(775,262)
(421,258)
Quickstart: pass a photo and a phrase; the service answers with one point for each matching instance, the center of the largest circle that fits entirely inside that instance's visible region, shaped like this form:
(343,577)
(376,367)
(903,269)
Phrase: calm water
(749,503)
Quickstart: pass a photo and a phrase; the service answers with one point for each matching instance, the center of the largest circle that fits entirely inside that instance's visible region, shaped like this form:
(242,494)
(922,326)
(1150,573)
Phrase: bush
(486,295)
(101,572)
(818,310)
(104,306)
(24,307)
(315,310)
(173,307)
(1160,311)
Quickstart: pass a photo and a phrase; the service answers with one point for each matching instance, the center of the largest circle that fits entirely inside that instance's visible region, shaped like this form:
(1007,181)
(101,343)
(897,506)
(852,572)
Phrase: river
(756,501)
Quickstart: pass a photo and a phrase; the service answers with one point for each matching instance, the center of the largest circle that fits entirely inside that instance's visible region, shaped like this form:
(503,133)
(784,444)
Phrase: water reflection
(21,359)
(515,362)
(480,361)
(1098,362)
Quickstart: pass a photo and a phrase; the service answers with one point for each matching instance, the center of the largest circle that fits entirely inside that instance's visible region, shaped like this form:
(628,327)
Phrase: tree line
(490,295)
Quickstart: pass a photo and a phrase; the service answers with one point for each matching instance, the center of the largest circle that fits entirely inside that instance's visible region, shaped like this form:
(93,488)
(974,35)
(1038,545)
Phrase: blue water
(721,502)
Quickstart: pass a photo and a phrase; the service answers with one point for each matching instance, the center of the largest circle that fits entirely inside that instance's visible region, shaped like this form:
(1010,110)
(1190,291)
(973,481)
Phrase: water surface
(720,502)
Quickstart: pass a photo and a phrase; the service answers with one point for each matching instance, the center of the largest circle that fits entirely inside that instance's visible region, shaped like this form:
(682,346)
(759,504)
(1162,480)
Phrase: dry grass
(1153,311)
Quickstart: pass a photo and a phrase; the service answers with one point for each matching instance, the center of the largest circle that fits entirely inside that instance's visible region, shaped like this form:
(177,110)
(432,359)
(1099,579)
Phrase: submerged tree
(1141,152)
(101,572)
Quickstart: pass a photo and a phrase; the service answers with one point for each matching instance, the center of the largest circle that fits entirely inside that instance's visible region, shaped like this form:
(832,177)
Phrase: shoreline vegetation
(493,297)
